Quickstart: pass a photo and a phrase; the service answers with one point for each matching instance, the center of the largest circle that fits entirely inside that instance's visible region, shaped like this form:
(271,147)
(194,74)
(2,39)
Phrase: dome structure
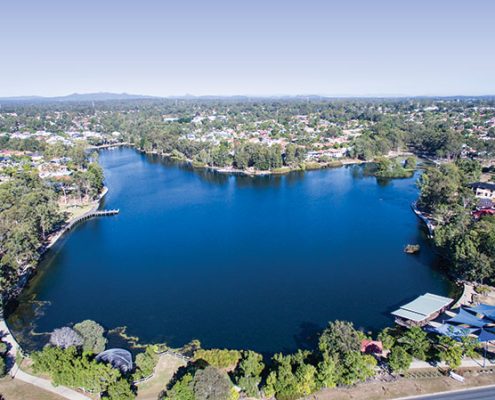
(117,358)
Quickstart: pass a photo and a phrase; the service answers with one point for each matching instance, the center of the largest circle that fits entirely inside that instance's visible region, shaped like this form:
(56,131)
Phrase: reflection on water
(234,261)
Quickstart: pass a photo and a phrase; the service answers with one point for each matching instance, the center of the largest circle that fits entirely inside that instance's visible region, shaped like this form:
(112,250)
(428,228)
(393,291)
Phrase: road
(486,393)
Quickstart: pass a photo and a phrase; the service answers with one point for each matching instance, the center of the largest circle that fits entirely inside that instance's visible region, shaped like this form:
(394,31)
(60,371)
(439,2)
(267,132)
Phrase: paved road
(487,393)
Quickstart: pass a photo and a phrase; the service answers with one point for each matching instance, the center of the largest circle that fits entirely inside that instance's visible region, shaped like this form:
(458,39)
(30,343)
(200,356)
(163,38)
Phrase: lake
(241,262)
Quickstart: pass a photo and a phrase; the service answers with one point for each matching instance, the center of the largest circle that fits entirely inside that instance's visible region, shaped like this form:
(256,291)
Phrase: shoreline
(311,166)
(30,270)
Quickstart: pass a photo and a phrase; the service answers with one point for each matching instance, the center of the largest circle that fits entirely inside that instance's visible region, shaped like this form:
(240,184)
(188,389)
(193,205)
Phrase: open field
(164,370)
(14,389)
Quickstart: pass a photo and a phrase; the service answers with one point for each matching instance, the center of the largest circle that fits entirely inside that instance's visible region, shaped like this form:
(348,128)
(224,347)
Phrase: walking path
(16,373)
(466,363)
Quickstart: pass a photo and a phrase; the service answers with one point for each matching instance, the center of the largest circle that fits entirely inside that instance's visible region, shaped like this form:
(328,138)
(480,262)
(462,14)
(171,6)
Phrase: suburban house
(483,190)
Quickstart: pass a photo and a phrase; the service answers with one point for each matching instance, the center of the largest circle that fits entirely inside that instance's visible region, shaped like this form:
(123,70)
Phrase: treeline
(337,361)
(28,213)
(30,210)
(467,243)
(70,359)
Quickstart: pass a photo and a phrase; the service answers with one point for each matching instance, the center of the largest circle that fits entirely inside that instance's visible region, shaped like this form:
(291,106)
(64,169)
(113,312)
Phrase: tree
(95,178)
(66,337)
(69,367)
(449,351)
(399,360)
(92,334)
(211,384)
(415,342)
(120,390)
(248,372)
(291,377)
(388,340)
(327,373)
(339,338)
(411,162)
(355,367)
(469,346)
(182,389)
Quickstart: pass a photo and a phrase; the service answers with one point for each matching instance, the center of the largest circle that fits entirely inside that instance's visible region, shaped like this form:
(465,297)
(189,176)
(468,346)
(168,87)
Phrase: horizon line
(274,95)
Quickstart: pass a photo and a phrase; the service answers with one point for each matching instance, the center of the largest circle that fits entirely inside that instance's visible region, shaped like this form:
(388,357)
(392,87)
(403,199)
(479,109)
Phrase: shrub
(145,363)
(3,368)
(218,358)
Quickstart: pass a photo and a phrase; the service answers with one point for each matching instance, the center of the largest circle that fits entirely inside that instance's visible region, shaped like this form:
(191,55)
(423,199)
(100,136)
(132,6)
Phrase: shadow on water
(307,336)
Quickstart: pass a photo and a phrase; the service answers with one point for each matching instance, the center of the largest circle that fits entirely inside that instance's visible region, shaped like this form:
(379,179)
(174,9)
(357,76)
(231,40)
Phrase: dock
(91,214)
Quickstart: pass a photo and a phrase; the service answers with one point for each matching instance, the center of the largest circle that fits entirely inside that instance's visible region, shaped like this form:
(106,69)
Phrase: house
(422,310)
(483,190)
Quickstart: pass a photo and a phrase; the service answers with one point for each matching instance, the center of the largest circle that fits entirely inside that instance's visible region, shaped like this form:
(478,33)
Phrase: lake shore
(28,271)
(307,166)
(166,200)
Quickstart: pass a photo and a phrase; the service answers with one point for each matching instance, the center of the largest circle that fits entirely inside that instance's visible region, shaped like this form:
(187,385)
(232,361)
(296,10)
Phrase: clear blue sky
(257,47)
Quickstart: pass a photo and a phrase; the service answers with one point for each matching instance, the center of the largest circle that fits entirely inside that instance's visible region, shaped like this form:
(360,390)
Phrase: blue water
(237,262)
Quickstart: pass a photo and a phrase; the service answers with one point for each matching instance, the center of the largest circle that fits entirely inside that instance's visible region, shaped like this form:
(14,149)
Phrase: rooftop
(423,307)
(482,185)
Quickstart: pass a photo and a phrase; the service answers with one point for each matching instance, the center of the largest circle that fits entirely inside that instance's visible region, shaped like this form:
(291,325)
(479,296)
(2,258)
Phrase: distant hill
(102,96)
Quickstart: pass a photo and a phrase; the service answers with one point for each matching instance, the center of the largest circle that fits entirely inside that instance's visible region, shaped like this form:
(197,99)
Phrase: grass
(16,389)
(75,211)
(281,170)
(164,371)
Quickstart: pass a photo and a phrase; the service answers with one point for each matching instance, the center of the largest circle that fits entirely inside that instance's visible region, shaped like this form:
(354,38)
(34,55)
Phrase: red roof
(371,346)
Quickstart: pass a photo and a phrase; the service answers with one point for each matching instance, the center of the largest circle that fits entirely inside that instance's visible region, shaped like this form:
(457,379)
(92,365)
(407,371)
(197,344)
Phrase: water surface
(236,262)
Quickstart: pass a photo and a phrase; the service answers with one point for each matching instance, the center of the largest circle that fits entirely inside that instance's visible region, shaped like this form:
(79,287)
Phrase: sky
(255,47)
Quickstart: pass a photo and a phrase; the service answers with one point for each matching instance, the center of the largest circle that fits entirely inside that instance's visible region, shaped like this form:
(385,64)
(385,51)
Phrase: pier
(91,214)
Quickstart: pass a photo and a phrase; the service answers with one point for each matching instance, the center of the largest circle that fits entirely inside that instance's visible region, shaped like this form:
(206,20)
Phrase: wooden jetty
(91,214)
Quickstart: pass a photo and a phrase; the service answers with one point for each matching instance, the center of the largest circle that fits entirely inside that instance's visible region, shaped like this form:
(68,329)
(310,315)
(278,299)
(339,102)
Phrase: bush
(218,358)
(3,348)
(3,368)
(146,363)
